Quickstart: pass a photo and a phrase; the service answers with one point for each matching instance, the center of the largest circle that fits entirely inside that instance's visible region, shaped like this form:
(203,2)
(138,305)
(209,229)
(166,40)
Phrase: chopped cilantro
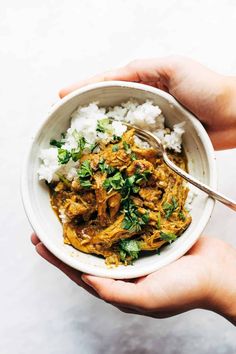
(115,182)
(122,255)
(131,180)
(81,141)
(168,236)
(84,174)
(129,248)
(93,147)
(57,143)
(85,183)
(135,189)
(133,156)
(102,165)
(127,147)
(103,125)
(142,176)
(131,184)
(115,138)
(169,208)
(145,218)
(105,168)
(75,155)
(85,169)
(63,156)
(181,215)
(133,220)
(115,148)
(64,180)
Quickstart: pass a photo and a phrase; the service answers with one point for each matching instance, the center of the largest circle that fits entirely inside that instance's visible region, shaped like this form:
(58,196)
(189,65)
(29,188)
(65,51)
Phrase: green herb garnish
(158,220)
(115,148)
(93,146)
(63,156)
(142,176)
(132,184)
(64,180)
(75,155)
(133,156)
(85,170)
(81,141)
(127,147)
(169,208)
(57,143)
(181,215)
(133,220)
(105,168)
(168,236)
(115,182)
(129,248)
(103,125)
(115,138)
(85,183)
(84,174)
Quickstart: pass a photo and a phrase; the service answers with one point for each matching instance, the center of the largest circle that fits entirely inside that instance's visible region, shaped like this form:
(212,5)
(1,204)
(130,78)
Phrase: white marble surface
(43,46)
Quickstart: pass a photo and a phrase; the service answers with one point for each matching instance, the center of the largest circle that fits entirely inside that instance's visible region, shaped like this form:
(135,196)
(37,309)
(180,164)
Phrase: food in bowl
(112,192)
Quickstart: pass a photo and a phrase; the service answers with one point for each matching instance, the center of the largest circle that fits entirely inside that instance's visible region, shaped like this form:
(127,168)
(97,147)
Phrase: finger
(72,273)
(34,239)
(154,72)
(107,76)
(117,291)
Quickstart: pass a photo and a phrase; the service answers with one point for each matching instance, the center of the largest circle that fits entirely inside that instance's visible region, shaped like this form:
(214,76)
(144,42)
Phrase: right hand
(203,278)
(210,96)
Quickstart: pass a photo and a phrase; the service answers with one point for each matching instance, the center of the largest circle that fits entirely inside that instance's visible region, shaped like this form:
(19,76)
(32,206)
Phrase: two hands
(205,276)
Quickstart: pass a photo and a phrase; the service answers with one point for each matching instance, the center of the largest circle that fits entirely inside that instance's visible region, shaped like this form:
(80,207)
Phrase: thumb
(117,291)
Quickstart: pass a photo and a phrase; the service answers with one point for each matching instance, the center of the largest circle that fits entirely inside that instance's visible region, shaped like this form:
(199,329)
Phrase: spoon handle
(211,192)
(153,140)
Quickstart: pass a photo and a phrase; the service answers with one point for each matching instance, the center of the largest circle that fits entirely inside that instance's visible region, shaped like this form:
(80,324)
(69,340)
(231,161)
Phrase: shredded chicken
(128,195)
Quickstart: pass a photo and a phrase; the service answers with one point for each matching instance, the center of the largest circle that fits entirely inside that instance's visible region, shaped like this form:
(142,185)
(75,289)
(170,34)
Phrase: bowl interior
(36,197)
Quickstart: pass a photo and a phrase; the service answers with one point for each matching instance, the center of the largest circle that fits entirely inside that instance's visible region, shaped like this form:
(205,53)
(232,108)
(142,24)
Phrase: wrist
(222,125)
(221,296)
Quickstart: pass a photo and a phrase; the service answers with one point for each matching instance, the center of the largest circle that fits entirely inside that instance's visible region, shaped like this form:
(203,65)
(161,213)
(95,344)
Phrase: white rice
(84,120)
(191,195)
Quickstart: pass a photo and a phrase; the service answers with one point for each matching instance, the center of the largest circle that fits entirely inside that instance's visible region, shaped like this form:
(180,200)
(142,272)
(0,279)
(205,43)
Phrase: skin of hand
(210,96)
(202,278)
(205,276)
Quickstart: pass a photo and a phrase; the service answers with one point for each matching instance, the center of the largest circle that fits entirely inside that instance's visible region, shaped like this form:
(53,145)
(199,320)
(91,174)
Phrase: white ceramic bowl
(201,164)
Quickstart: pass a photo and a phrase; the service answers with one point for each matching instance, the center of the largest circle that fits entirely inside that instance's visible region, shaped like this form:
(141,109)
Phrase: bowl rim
(131,272)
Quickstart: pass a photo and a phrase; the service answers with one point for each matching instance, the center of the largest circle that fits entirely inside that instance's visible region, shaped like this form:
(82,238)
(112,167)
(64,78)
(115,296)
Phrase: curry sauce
(124,201)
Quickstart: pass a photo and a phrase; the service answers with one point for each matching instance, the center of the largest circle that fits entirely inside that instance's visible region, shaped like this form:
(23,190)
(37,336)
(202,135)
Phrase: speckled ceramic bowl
(201,164)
